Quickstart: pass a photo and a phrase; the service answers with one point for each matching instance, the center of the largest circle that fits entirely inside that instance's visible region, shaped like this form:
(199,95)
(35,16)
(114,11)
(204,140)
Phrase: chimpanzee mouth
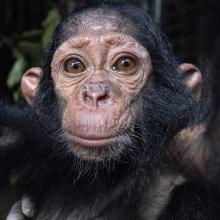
(93,141)
(97,147)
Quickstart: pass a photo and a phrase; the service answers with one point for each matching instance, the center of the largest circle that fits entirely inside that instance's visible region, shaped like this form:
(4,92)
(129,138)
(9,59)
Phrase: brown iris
(74,65)
(124,64)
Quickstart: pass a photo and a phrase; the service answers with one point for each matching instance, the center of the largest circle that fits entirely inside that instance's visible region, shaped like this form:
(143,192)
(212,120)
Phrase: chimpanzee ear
(192,78)
(29,83)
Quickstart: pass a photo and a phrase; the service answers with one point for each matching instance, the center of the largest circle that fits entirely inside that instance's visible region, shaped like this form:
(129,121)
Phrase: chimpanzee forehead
(97,22)
(109,28)
(96,28)
(107,39)
(90,19)
(99,41)
(94,18)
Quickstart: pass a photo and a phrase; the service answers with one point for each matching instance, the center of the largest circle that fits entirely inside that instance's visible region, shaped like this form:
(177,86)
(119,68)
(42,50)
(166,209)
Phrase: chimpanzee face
(99,74)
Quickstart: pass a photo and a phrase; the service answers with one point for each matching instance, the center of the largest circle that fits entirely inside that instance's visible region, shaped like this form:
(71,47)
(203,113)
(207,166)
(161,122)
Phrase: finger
(27,206)
(15,213)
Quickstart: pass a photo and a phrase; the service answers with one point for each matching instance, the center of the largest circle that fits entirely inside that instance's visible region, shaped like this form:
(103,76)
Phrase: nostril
(96,94)
(103,99)
(86,98)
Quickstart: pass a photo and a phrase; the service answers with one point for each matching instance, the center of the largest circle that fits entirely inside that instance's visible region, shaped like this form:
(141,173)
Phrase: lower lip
(93,143)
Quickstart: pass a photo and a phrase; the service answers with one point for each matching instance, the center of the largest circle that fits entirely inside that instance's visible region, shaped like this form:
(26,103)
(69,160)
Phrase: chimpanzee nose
(97,94)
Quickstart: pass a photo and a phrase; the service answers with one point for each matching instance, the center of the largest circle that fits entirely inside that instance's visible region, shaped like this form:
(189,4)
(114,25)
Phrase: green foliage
(3,215)
(49,25)
(28,48)
(17,69)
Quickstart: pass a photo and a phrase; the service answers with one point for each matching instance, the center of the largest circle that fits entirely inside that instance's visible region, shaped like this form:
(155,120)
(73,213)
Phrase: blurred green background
(26,28)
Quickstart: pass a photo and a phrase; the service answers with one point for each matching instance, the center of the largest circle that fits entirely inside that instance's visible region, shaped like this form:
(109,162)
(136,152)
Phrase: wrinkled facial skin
(99,74)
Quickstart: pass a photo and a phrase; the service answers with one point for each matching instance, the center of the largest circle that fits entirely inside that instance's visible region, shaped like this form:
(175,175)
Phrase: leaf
(17,96)
(13,179)
(16,71)
(32,35)
(31,51)
(49,24)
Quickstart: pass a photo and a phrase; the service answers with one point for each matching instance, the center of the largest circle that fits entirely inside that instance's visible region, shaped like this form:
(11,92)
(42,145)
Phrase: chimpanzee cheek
(131,87)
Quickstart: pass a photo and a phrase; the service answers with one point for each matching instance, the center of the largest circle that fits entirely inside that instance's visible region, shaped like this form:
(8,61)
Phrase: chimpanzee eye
(124,64)
(74,65)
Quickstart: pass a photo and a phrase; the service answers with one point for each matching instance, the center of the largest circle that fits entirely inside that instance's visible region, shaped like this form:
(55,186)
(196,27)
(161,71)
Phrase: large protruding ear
(192,78)
(29,83)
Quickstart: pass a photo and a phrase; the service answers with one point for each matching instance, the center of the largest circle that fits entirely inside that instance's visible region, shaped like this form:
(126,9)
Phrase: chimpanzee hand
(22,210)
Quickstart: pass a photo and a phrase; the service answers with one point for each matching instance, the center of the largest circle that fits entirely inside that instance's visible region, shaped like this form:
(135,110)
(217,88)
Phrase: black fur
(185,199)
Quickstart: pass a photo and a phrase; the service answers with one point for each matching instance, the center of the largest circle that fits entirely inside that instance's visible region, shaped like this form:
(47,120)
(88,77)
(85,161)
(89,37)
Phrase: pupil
(75,65)
(125,63)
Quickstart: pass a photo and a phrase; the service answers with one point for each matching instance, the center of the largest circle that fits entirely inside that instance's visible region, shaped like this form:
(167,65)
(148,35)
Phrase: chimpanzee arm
(11,139)
(10,143)
(188,202)
(16,125)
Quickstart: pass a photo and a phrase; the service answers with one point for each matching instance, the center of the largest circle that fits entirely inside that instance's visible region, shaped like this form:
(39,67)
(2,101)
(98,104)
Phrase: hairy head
(110,85)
